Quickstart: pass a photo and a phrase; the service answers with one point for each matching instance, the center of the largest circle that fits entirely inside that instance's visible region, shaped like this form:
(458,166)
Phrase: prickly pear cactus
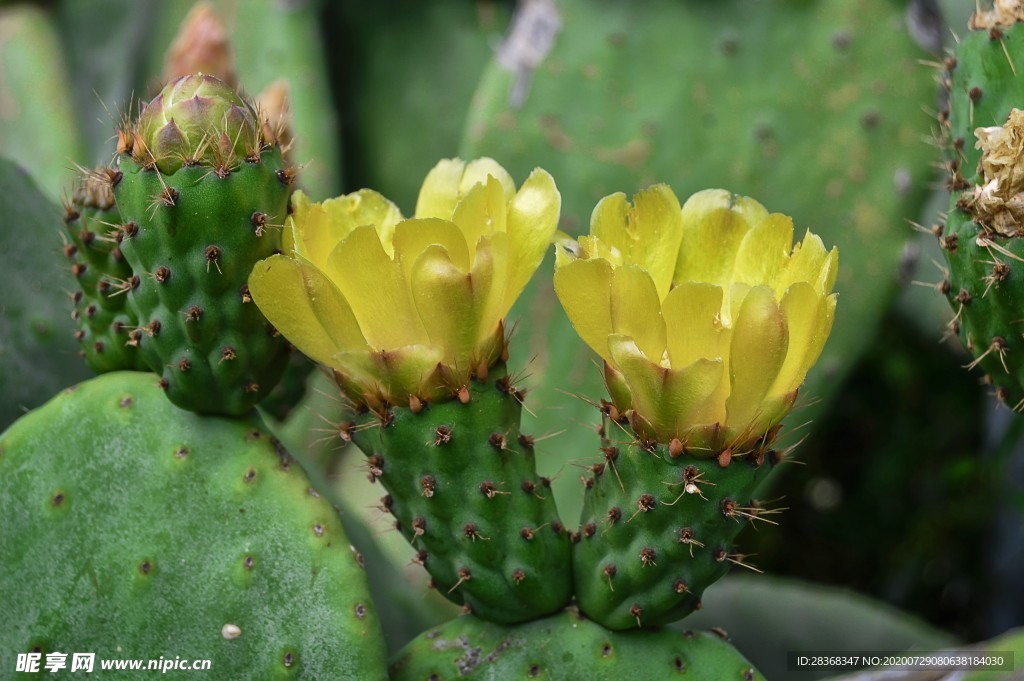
(202,192)
(463,488)
(983,129)
(212,544)
(100,305)
(708,318)
(565,647)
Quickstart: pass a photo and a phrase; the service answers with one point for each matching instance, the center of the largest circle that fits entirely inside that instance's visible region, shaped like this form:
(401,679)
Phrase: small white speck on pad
(230,631)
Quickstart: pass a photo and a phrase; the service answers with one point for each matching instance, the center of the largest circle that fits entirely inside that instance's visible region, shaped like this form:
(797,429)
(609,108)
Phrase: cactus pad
(657,527)
(464,490)
(566,647)
(134,529)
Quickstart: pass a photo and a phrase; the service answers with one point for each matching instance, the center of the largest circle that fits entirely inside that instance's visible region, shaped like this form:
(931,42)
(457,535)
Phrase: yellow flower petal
(316,228)
(290,239)
(714,225)
(692,312)
(481,211)
(305,306)
(809,320)
(765,250)
(377,290)
(532,223)
(451,179)
(414,236)
(454,304)
(439,193)
(810,262)
(478,170)
(583,287)
(646,233)
(636,310)
(668,400)
(492,260)
(759,344)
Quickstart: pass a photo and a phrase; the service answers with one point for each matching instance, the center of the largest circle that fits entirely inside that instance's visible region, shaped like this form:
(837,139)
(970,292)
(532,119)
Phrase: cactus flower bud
(196,120)
(707,317)
(411,308)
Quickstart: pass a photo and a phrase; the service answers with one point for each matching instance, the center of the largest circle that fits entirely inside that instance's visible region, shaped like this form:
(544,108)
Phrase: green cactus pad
(101,312)
(192,239)
(566,647)
(657,529)
(985,285)
(464,490)
(133,529)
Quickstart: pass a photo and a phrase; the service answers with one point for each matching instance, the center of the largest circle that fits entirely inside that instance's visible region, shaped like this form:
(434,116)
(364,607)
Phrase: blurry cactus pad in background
(708,318)
(409,309)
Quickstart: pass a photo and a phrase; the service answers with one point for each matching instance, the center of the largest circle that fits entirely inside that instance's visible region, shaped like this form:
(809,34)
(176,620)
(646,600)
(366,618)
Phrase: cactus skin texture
(463,464)
(132,528)
(566,647)
(985,284)
(657,527)
(104,322)
(193,231)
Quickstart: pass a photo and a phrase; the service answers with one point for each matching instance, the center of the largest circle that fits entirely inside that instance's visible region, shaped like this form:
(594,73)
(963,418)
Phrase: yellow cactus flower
(707,316)
(409,308)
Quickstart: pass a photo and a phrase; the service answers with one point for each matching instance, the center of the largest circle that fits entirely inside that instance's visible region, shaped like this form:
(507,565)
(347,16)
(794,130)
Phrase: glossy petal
(646,233)
(583,288)
(670,400)
(451,179)
(809,320)
(481,211)
(376,288)
(636,310)
(450,302)
(759,344)
(764,251)
(532,223)
(478,170)
(413,237)
(439,193)
(692,313)
(305,306)
(811,263)
(714,225)
(316,228)
(492,262)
